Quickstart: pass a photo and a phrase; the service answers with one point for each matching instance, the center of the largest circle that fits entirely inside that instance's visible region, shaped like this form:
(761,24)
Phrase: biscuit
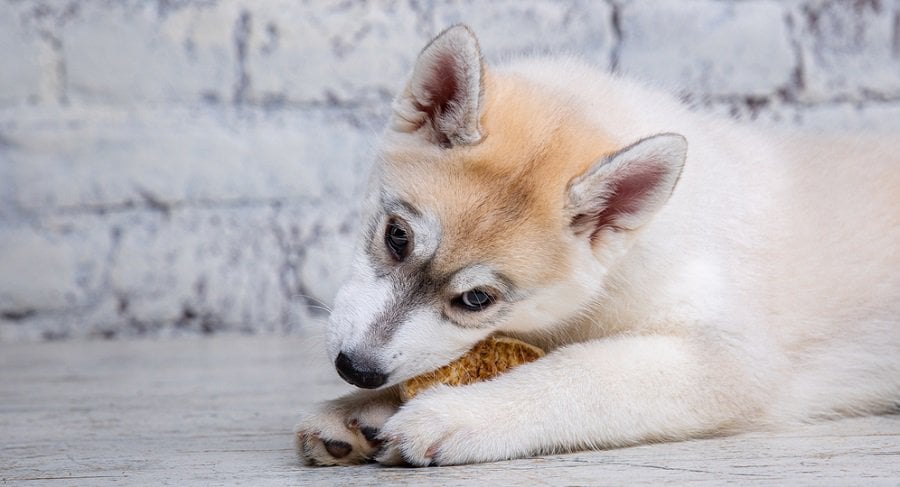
(485,360)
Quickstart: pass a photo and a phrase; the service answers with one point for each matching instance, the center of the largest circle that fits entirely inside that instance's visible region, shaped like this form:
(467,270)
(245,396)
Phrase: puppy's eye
(397,240)
(474,300)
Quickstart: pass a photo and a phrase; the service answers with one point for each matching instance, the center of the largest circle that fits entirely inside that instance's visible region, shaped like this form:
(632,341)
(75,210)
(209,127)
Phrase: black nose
(367,379)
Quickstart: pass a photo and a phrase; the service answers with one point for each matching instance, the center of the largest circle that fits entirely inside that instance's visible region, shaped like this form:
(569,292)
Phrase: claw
(371,435)
(390,454)
(431,452)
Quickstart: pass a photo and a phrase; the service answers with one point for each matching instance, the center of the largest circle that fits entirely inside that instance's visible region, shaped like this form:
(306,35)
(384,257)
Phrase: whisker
(319,304)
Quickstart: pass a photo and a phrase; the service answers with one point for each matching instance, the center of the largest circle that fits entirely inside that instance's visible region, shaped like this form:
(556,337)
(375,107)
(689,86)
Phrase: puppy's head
(496,204)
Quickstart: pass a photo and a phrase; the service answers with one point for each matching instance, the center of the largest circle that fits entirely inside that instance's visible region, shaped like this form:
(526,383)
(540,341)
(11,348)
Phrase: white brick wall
(190,166)
(850,50)
(20,77)
(698,46)
(130,53)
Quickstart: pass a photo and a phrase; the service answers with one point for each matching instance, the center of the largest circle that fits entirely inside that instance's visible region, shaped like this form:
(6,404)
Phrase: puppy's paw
(345,431)
(445,426)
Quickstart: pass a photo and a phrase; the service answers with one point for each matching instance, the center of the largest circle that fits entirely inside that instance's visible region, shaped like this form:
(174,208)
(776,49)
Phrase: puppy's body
(749,283)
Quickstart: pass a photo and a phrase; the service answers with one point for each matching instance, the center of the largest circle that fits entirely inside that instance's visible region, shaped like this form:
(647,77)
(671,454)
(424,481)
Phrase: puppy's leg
(600,394)
(344,431)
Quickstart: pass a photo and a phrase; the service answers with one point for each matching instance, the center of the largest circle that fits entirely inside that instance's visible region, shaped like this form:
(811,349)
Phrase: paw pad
(337,449)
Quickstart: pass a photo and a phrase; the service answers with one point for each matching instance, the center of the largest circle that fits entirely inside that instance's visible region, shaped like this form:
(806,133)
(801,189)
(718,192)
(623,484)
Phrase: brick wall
(191,166)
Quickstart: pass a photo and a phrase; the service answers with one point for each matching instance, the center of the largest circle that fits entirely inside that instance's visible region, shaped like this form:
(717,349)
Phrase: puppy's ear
(626,189)
(442,100)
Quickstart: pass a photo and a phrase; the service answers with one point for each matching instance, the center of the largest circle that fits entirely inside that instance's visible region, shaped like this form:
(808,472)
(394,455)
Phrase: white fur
(361,298)
(426,343)
(765,291)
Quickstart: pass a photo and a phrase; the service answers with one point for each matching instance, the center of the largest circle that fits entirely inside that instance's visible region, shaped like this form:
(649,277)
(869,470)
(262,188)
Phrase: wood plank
(221,410)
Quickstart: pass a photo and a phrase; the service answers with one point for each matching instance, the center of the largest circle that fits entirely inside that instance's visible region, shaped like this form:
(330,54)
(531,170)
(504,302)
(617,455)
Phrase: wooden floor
(220,411)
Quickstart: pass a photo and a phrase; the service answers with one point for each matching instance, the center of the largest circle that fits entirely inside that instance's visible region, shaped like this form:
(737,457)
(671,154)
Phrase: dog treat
(486,360)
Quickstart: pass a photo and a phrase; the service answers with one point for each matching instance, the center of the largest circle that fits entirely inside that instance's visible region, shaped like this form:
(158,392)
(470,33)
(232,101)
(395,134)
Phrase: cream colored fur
(765,291)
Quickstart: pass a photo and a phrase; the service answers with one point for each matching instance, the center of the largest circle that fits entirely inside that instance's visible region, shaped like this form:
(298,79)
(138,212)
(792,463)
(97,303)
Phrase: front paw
(345,431)
(446,426)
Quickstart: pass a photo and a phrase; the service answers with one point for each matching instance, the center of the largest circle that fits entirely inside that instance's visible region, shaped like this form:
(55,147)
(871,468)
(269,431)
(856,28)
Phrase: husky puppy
(688,276)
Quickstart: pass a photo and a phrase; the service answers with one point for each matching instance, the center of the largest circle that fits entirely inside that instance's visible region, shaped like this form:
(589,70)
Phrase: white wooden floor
(220,411)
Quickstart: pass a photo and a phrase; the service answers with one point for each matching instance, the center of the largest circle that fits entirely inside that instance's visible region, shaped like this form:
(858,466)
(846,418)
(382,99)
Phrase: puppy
(688,276)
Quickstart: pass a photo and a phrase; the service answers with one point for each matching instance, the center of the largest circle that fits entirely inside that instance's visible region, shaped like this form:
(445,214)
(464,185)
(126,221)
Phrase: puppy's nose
(367,379)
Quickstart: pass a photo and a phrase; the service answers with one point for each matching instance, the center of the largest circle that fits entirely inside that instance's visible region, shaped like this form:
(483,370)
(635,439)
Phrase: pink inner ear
(628,194)
(442,86)
(442,83)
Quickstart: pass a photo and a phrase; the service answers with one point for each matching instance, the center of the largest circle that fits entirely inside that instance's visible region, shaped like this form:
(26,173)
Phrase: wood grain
(221,411)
